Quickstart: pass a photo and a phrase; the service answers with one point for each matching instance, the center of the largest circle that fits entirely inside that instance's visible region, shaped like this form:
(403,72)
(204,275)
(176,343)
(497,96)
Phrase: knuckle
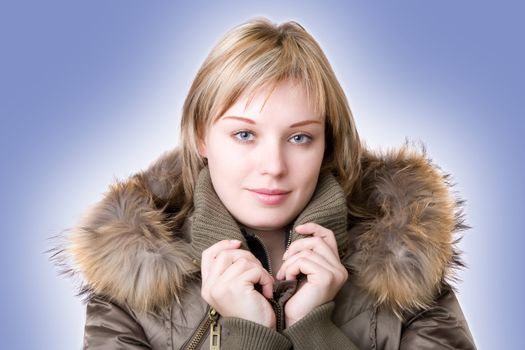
(248,257)
(324,229)
(301,260)
(222,257)
(317,240)
(253,269)
(341,275)
(338,277)
(242,262)
(307,253)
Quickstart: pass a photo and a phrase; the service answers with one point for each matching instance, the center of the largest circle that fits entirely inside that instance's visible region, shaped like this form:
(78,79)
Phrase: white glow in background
(93,91)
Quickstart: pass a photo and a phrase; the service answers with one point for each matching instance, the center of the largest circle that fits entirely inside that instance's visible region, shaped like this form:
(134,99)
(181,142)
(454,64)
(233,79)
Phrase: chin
(267,224)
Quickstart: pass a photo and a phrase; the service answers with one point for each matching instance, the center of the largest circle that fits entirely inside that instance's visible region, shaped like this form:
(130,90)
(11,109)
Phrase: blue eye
(243,136)
(300,139)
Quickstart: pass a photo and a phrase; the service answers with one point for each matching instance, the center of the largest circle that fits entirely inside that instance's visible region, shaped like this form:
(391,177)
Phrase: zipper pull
(215,331)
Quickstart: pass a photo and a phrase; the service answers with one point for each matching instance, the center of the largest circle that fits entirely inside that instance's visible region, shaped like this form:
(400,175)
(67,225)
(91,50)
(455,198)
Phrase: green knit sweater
(211,223)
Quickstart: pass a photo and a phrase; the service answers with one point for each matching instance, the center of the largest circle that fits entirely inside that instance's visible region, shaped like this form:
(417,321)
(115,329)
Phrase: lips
(268,196)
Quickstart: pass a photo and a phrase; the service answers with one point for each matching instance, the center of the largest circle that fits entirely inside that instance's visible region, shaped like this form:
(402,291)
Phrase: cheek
(225,158)
(305,169)
(221,162)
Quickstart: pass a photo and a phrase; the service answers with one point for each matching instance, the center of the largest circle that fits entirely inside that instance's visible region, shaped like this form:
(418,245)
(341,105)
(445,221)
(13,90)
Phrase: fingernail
(235,241)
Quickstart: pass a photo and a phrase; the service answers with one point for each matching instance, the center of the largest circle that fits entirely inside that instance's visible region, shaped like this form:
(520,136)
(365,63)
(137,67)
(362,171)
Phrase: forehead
(286,99)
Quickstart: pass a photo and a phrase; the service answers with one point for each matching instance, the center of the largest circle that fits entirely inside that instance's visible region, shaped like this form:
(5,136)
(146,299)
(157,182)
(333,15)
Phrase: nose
(272,159)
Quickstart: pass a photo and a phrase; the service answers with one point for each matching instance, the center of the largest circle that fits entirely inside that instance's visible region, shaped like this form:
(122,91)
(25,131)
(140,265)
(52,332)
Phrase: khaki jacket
(141,276)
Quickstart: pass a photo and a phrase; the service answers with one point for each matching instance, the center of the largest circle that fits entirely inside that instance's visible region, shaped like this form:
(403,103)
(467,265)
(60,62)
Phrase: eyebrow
(242,119)
(294,125)
(305,122)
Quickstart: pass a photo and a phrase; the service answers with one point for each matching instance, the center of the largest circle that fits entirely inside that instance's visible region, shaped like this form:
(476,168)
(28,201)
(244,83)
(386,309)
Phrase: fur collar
(400,242)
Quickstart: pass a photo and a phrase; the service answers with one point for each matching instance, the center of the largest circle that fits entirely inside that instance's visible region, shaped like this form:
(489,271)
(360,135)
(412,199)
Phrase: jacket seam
(373,328)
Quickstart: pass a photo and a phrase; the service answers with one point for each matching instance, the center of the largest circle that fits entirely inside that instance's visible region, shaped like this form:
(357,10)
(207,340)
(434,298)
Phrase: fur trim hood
(400,240)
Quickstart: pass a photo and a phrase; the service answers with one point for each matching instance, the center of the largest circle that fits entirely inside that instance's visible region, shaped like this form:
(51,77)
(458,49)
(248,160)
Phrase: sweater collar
(211,222)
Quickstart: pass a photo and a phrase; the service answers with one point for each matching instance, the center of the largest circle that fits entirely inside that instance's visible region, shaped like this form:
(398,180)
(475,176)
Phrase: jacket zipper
(267,256)
(277,308)
(208,323)
(268,260)
(289,240)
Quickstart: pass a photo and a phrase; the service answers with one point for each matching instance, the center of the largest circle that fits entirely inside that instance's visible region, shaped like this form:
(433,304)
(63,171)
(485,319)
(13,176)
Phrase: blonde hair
(250,56)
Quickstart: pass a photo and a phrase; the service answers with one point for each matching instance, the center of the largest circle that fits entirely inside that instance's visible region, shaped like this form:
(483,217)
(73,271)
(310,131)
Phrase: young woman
(271,227)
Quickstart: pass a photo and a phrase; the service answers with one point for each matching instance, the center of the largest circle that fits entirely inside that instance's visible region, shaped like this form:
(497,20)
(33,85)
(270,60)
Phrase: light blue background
(92,91)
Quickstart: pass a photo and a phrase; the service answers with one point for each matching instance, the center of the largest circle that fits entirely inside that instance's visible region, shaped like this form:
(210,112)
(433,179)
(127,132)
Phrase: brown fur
(403,221)
(403,244)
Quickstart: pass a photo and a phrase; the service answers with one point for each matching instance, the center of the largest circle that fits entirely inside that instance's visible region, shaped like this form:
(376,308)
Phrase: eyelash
(236,136)
(308,138)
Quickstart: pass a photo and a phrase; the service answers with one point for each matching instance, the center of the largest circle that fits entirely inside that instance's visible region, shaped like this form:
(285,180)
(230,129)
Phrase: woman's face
(264,158)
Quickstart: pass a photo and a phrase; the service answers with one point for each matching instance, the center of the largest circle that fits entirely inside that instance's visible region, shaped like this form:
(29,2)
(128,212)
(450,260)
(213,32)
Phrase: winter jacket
(141,275)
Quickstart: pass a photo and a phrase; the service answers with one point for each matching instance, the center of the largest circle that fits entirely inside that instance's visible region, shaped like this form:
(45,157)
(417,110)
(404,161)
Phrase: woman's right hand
(229,276)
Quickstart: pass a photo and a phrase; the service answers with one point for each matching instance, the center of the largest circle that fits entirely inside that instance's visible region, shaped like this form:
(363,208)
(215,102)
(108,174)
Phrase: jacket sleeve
(247,335)
(442,326)
(317,331)
(110,327)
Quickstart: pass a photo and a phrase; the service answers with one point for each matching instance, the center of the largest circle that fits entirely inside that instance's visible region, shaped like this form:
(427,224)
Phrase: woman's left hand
(317,258)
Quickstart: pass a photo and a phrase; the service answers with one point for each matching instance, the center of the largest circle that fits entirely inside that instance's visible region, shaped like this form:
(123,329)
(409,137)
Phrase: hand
(318,259)
(229,275)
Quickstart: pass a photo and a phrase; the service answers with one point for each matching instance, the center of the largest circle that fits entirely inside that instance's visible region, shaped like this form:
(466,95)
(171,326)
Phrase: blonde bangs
(255,61)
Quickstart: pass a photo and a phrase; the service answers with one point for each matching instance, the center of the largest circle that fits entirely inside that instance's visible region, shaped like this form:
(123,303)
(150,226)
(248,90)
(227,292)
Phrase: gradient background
(92,91)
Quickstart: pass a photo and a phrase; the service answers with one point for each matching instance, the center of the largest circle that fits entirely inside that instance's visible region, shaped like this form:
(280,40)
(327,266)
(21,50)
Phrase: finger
(305,266)
(228,281)
(231,256)
(225,259)
(315,244)
(260,276)
(235,271)
(308,254)
(317,230)
(209,254)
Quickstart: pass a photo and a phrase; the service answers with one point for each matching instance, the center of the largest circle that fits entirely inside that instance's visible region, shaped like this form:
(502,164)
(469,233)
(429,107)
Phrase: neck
(274,242)
(266,232)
